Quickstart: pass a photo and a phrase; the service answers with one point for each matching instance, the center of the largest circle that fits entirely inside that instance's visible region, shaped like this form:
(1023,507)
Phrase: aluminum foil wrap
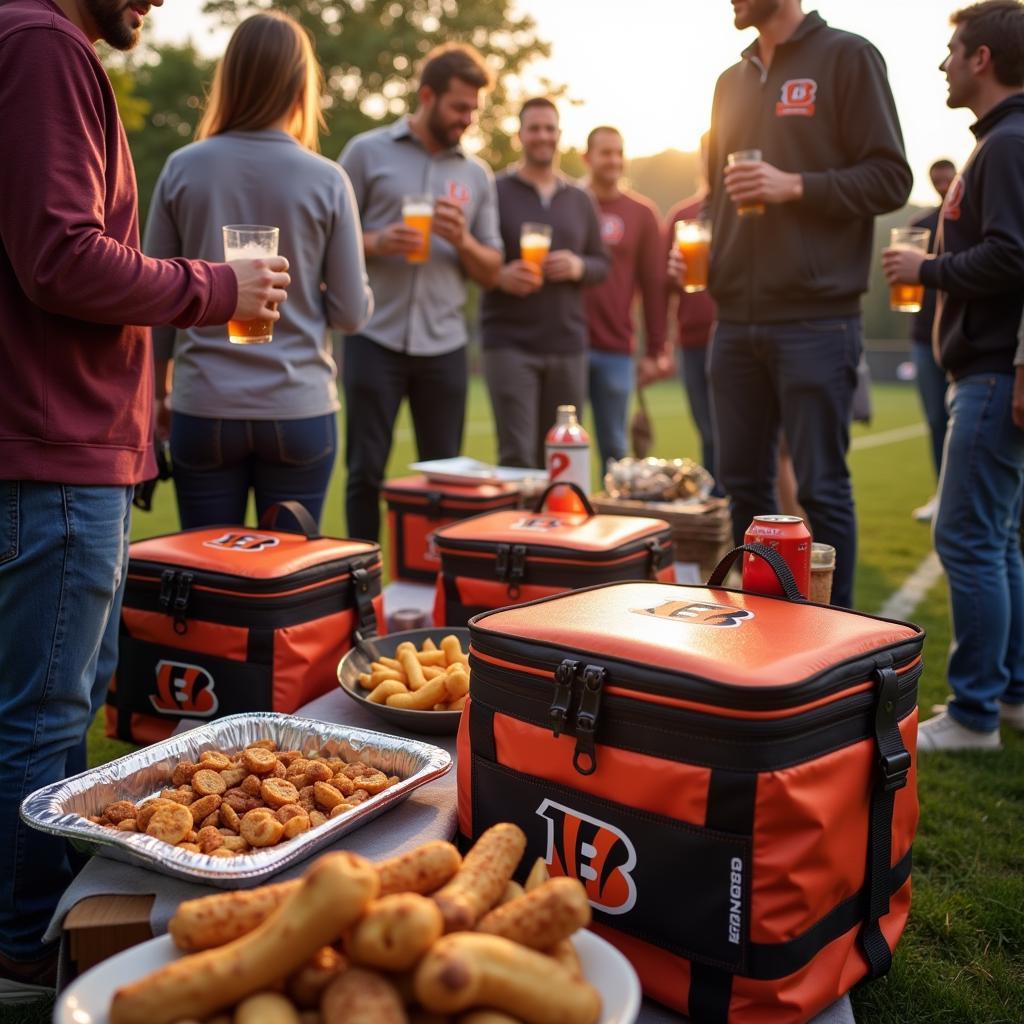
(658,480)
(61,809)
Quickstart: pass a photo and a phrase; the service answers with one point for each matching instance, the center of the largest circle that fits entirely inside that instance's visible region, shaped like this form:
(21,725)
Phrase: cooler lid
(422,485)
(577,530)
(249,553)
(722,635)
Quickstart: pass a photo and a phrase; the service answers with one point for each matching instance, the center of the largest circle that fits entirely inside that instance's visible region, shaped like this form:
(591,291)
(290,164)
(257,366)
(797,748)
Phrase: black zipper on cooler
(585,685)
(681,685)
(326,571)
(179,593)
(643,546)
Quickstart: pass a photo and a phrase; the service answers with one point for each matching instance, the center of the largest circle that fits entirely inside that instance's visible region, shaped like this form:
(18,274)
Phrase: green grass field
(960,960)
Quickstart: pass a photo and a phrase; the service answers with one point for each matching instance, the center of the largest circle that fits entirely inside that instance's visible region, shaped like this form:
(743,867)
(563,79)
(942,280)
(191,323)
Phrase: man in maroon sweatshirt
(631,231)
(76,299)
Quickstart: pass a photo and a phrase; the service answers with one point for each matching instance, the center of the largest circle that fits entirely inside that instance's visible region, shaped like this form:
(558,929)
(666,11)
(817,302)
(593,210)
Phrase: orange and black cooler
(417,506)
(511,557)
(730,775)
(227,619)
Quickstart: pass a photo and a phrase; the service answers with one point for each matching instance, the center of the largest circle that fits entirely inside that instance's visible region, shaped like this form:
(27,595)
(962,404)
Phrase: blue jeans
(931,385)
(611,383)
(63,554)
(801,377)
(977,539)
(215,463)
(693,370)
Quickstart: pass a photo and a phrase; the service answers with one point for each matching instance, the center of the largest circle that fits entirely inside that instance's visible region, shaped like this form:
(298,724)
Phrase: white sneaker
(943,732)
(926,513)
(1012,715)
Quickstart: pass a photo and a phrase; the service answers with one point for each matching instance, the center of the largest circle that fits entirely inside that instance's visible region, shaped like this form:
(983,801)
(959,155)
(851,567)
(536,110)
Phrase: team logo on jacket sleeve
(798,98)
(698,613)
(239,541)
(598,854)
(184,690)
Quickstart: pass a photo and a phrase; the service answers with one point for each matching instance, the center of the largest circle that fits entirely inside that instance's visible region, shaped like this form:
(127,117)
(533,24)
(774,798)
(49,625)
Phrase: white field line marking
(482,428)
(915,588)
(887,437)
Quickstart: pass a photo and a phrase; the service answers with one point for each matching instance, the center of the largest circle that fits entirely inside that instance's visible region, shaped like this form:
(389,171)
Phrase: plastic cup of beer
(746,156)
(534,245)
(249,242)
(823,568)
(418,213)
(693,240)
(907,298)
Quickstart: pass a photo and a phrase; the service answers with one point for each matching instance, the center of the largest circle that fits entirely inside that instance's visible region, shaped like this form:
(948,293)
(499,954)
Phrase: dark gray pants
(526,390)
(800,377)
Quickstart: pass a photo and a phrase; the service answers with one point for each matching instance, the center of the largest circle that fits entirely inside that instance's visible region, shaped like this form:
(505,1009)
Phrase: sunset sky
(649,66)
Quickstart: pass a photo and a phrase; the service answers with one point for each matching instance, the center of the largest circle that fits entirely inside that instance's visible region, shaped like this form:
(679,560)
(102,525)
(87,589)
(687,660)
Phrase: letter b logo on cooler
(184,690)
(598,854)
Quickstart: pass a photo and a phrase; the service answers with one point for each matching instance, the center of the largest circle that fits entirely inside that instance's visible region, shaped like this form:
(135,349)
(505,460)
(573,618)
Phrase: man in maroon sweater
(631,232)
(76,296)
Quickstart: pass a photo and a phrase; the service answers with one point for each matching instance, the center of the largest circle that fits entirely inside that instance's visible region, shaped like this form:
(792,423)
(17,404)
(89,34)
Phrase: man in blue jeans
(76,419)
(791,247)
(979,271)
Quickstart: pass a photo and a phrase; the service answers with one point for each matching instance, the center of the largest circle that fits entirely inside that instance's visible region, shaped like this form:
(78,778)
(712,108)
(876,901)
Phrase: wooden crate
(702,530)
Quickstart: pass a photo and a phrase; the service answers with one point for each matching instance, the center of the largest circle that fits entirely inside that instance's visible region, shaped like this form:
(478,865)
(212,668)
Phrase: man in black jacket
(816,102)
(979,271)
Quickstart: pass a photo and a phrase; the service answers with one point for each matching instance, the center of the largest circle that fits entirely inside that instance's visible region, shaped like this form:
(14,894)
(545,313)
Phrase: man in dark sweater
(76,419)
(816,102)
(533,325)
(979,271)
(931,378)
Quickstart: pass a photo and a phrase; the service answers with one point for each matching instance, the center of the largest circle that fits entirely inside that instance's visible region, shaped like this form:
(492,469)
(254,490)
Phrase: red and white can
(790,538)
(567,455)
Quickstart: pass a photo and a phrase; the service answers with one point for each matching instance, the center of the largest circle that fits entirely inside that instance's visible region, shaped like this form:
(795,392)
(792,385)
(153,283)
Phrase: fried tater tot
(362,997)
(380,693)
(266,1008)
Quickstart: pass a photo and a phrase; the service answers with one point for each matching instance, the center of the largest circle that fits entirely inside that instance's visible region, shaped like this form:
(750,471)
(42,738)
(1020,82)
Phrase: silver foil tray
(61,809)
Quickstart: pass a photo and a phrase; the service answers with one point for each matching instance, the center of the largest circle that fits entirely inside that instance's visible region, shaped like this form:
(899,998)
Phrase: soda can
(789,537)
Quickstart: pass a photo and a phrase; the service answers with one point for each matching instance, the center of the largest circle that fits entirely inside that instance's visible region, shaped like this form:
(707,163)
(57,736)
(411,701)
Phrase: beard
(758,12)
(109,18)
(439,130)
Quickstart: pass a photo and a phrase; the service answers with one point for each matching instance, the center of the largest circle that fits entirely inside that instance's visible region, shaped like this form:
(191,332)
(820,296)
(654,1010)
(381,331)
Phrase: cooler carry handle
(575,488)
(306,523)
(782,571)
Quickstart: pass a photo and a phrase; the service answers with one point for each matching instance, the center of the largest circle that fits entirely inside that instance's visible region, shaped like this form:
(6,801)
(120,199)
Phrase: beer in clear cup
(746,156)
(418,213)
(534,245)
(907,298)
(249,242)
(693,240)
(823,568)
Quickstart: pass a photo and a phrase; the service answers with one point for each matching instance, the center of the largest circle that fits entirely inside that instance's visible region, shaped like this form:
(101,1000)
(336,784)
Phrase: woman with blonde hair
(258,416)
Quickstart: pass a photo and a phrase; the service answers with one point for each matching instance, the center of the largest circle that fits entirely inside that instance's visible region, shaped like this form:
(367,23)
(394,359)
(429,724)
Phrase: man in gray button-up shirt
(414,345)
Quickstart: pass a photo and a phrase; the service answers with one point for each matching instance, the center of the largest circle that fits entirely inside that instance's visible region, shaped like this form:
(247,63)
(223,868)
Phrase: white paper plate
(86,1000)
(464,470)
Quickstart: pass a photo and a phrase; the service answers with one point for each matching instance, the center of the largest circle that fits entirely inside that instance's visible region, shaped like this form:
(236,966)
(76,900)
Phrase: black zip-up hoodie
(980,266)
(823,109)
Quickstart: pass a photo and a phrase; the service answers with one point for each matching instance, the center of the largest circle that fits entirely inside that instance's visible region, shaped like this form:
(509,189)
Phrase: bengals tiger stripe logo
(698,613)
(601,856)
(242,542)
(797,98)
(185,691)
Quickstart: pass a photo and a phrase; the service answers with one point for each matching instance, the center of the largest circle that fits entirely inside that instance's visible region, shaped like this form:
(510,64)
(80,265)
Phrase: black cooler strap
(305,522)
(366,617)
(731,798)
(893,765)
(779,566)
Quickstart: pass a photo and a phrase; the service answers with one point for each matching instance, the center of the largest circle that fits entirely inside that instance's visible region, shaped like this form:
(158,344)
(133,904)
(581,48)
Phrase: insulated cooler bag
(223,620)
(417,506)
(506,558)
(730,775)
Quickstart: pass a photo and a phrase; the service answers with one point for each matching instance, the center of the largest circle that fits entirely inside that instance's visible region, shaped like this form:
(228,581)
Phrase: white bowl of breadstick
(427,936)
(417,680)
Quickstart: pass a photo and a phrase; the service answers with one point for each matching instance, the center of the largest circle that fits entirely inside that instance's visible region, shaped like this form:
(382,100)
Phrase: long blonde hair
(268,67)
